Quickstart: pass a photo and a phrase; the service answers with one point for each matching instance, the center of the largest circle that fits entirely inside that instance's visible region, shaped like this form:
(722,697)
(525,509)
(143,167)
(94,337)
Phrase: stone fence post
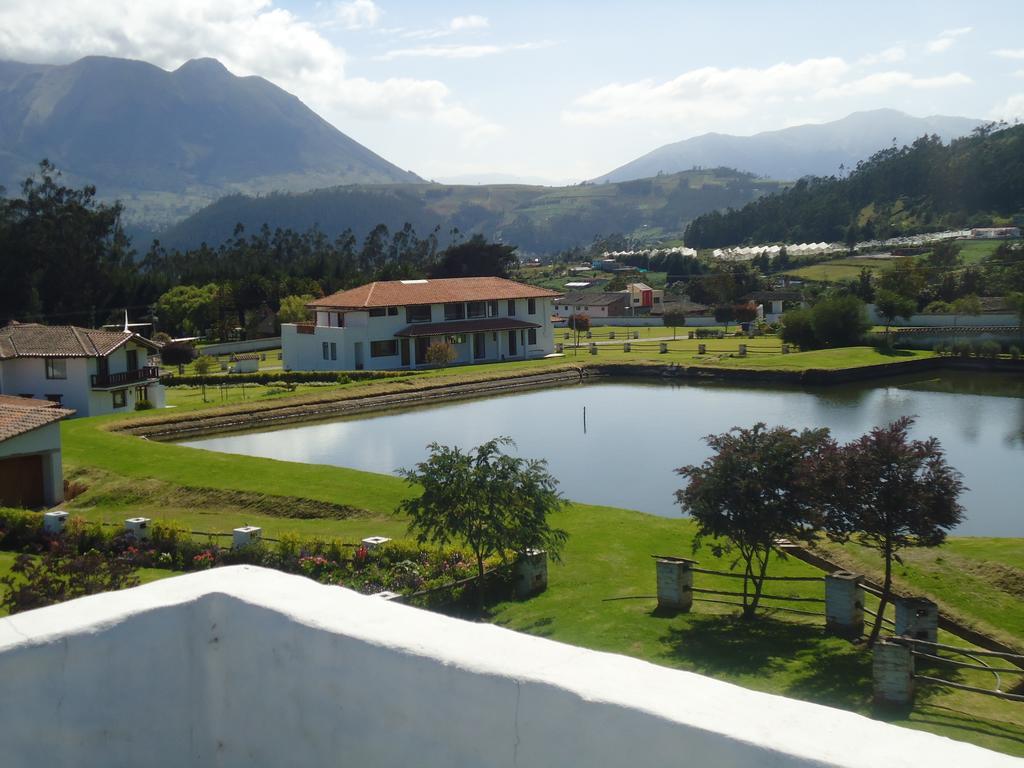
(844,604)
(893,673)
(675,583)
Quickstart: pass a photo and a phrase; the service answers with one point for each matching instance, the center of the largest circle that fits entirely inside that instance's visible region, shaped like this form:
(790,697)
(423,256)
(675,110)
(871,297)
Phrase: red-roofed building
(92,371)
(388,325)
(31,472)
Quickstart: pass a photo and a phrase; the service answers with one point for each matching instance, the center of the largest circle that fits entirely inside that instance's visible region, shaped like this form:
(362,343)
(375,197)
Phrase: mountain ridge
(810,149)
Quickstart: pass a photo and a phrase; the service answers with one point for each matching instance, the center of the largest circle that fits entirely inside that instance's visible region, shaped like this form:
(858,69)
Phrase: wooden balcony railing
(146,373)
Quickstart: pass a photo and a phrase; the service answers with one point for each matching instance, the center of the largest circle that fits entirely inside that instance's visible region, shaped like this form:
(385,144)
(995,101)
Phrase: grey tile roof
(35,340)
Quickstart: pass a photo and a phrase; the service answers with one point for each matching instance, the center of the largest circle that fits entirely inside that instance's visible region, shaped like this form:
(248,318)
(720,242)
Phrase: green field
(840,270)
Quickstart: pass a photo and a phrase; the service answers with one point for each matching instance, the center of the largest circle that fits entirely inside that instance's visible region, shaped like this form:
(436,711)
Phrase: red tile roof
(466,326)
(411,292)
(17,418)
(35,340)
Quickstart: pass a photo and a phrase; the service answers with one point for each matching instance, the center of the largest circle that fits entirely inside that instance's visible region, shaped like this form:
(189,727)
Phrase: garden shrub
(143,405)
(1014,352)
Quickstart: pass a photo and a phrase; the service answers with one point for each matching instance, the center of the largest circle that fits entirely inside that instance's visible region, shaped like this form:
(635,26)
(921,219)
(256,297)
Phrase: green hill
(537,219)
(927,186)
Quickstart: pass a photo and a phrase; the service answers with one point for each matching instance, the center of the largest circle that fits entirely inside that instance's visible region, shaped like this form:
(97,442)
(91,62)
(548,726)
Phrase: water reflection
(637,434)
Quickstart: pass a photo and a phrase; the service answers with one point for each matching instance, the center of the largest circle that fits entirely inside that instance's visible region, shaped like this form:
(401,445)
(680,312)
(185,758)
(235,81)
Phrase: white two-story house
(387,325)
(93,372)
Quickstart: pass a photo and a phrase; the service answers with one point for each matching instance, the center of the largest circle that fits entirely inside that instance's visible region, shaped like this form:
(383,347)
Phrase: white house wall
(44,442)
(304,351)
(248,667)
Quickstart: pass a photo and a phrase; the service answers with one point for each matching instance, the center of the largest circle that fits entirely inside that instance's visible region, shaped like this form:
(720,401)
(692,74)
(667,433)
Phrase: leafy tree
(725,313)
(441,354)
(798,328)
(887,492)
(494,502)
(580,323)
(62,574)
(967,305)
(177,353)
(294,310)
(204,364)
(615,285)
(477,258)
(745,313)
(906,278)
(758,486)
(891,305)
(188,309)
(1016,304)
(839,322)
(945,255)
(674,318)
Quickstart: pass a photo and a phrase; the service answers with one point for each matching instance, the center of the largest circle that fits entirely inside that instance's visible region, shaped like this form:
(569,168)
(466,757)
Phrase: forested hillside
(976,180)
(536,219)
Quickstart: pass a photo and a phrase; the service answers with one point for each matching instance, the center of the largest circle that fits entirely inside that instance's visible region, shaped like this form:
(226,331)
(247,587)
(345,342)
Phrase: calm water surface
(637,434)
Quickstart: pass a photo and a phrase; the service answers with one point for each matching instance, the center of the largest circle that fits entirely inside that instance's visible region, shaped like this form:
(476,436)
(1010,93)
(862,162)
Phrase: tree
(203,364)
(891,305)
(798,328)
(476,258)
(944,255)
(1016,303)
(441,354)
(725,313)
(177,353)
(887,492)
(759,486)
(674,318)
(840,321)
(294,309)
(580,323)
(494,502)
(745,313)
(967,305)
(188,309)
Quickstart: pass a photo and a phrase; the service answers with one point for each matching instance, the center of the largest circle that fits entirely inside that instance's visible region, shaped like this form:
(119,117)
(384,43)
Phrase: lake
(636,434)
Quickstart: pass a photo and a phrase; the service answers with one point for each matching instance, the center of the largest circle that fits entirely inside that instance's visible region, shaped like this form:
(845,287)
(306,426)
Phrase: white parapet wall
(247,667)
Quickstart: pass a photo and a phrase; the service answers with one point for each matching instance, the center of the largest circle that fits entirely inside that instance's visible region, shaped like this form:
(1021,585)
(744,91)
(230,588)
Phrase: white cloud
(457,25)
(1019,73)
(1012,109)
(250,37)
(946,39)
(882,82)
(711,96)
(358,14)
(458,51)
(1009,53)
(888,56)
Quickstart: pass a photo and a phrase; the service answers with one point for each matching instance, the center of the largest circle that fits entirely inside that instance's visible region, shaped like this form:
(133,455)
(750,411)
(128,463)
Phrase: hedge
(270,377)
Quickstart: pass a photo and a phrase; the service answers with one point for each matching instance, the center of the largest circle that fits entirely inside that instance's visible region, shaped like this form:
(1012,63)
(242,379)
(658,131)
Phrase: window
(531,336)
(387,348)
(511,307)
(455,311)
(457,339)
(378,312)
(56,368)
(55,398)
(476,309)
(334,351)
(418,314)
(327,351)
(531,306)
(492,309)
(133,359)
(141,393)
(120,398)
(392,311)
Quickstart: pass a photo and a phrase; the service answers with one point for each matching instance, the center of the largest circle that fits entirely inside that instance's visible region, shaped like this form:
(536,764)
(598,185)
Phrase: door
(512,347)
(422,345)
(133,359)
(404,345)
(21,482)
(359,355)
(479,346)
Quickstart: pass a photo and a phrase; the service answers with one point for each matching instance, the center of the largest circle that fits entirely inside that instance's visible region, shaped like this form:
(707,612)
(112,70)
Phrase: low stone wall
(247,667)
(234,347)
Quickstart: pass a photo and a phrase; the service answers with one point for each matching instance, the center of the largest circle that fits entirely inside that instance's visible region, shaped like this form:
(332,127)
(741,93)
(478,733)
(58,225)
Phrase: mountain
(974,181)
(167,143)
(537,219)
(792,153)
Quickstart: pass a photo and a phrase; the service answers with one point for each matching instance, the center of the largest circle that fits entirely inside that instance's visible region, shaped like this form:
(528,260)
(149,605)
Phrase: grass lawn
(840,270)
(974,251)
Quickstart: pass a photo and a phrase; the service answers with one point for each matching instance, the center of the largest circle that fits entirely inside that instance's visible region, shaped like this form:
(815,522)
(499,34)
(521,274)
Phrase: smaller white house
(31,473)
(94,372)
(389,325)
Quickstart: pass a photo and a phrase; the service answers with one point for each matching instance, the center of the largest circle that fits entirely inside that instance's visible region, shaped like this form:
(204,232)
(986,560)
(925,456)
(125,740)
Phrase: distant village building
(995,233)
(31,472)
(594,305)
(388,325)
(645,300)
(93,372)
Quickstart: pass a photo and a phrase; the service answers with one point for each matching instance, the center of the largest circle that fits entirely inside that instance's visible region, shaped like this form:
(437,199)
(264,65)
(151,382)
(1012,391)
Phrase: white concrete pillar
(244,536)
(844,604)
(636,334)
(593,348)
(137,527)
(372,542)
(702,349)
(611,334)
(626,347)
(675,583)
(893,673)
(531,573)
(743,350)
(917,617)
(785,349)
(663,347)
(558,348)
(54,522)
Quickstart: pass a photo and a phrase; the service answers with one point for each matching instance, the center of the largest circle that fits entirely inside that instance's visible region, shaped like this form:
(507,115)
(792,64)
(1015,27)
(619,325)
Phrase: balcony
(110,380)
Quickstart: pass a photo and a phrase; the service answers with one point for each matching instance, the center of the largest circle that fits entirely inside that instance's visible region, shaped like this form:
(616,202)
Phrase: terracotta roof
(411,292)
(35,340)
(466,326)
(595,299)
(26,402)
(17,418)
(773,296)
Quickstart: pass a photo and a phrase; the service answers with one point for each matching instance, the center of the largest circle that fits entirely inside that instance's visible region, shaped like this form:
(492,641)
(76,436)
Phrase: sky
(561,91)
